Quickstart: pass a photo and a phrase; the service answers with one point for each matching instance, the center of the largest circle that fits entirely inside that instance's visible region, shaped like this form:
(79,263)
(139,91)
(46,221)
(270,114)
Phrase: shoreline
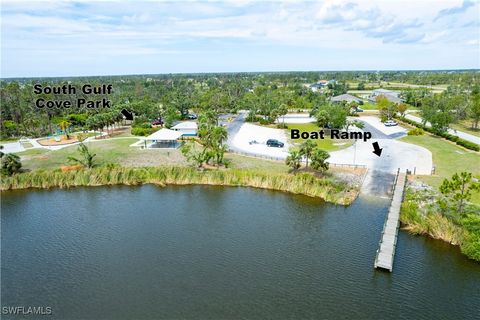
(439,227)
(306,184)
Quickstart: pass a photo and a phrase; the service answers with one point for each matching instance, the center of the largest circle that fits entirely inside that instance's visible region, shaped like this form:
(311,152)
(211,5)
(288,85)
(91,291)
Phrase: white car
(390,123)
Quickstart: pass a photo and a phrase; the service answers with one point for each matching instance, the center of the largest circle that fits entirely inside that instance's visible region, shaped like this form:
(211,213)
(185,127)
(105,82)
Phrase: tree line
(267,97)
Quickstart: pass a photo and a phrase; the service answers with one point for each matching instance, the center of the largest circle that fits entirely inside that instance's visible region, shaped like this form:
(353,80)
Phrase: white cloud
(103,29)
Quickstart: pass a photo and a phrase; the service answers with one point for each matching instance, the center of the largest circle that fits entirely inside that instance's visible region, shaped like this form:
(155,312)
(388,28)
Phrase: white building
(187,128)
(163,138)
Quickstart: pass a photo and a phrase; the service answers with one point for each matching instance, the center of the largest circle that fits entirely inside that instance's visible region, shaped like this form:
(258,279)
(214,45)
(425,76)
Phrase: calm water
(210,252)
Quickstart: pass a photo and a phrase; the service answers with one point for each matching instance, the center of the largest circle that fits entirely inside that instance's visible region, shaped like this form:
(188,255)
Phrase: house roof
(345,97)
(393,98)
(190,125)
(385,91)
(164,135)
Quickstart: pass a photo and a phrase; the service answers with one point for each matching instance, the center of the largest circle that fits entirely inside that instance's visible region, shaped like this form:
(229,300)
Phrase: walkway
(14,147)
(386,252)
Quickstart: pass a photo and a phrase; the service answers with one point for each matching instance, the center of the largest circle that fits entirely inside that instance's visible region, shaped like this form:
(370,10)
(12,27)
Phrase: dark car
(157,122)
(275,143)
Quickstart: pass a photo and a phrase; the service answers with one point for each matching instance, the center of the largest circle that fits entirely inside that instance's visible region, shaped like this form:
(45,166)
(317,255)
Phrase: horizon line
(239,72)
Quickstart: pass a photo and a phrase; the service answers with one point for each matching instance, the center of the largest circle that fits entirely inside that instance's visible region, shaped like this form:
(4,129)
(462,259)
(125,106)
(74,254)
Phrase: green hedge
(459,141)
(416,132)
(468,144)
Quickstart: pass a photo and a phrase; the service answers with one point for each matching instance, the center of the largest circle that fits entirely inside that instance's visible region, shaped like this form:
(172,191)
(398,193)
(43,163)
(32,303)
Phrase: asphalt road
(233,128)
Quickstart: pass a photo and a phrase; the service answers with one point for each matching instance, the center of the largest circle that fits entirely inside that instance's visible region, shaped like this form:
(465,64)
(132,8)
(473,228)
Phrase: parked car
(275,143)
(359,109)
(192,116)
(390,123)
(157,122)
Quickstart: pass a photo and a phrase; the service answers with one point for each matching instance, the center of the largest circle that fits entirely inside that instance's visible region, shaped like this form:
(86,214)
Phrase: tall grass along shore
(420,216)
(303,183)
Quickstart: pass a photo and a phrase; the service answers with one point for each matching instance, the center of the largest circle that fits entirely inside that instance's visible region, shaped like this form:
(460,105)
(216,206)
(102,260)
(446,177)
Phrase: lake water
(211,252)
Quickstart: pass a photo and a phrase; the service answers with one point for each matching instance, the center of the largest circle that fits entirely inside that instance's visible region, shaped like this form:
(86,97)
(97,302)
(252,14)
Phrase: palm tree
(10,164)
(213,141)
(219,134)
(306,150)
(294,160)
(282,111)
(87,157)
(318,159)
(208,119)
(64,124)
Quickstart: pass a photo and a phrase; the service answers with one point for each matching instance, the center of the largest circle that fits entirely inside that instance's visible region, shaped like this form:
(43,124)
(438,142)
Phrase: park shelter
(187,128)
(163,138)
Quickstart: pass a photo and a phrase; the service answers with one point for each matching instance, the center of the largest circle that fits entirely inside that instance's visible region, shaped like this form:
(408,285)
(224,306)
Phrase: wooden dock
(388,242)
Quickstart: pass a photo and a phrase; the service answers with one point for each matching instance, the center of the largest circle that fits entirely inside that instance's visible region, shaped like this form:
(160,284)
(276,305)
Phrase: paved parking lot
(249,132)
(395,131)
(395,154)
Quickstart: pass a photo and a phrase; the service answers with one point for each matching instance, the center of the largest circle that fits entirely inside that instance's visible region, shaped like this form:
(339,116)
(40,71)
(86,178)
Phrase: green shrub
(453,138)
(468,144)
(139,120)
(416,132)
(144,125)
(10,164)
(471,245)
(251,118)
(264,121)
(139,131)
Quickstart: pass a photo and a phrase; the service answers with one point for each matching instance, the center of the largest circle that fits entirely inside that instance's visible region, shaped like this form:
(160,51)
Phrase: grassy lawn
(32,152)
(373,106)
(325,144)
(9,140)
(465,126)
(242,162)
(116,151)
(448,159)
(368,106)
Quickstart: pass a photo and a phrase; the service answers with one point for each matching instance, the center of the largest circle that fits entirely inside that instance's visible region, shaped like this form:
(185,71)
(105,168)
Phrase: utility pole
(354,151)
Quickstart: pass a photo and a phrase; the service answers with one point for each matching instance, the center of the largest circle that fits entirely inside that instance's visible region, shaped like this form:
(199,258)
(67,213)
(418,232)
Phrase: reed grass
(464,232)
(326,188)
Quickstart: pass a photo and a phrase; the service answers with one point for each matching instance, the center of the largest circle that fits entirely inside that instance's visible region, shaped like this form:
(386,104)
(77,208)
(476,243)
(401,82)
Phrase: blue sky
(75,38)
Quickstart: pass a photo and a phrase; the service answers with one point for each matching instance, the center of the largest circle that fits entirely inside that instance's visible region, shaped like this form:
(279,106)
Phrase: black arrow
(376,149)
(127,114)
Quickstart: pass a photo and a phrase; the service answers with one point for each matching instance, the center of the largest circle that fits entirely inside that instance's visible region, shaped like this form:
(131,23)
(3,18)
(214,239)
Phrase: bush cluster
(416,132)
(140,131)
